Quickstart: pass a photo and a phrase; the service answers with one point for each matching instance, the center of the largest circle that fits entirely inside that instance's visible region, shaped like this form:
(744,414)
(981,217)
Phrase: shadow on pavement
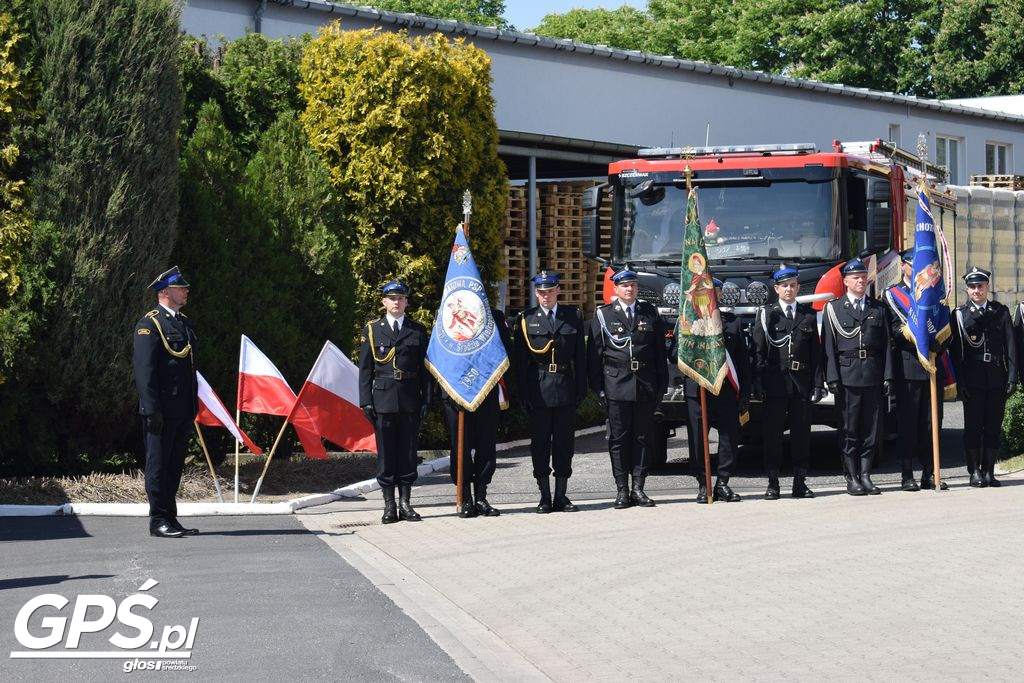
(31,581)
(41,529)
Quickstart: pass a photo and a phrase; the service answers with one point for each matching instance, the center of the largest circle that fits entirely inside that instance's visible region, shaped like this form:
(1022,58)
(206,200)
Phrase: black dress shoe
(563,504)
(702,494)
(800,489)
(928,484)
(166,531)
(185,530)
(991,480)
(468,509)
(622,499)
(725,494)
(910,485)
(772,492)
(638,497)
(977,481)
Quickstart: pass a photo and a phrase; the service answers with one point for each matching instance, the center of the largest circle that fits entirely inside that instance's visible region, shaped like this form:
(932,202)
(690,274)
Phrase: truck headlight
(757,293)
(730,294)
(670,295)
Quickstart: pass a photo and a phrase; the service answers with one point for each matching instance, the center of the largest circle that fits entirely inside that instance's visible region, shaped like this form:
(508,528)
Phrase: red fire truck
(761,207)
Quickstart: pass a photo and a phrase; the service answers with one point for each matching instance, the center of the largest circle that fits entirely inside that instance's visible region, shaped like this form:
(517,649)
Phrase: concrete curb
(288,507)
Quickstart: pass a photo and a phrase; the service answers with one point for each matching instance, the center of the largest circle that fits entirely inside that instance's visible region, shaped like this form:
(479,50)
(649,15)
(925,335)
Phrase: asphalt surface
(274,602)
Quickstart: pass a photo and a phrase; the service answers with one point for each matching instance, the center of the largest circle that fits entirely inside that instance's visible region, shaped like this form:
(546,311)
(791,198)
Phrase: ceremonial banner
(330,396)
(213,413)
(701,345)
(263,390)
(928,316)
(900,302)
(465,353)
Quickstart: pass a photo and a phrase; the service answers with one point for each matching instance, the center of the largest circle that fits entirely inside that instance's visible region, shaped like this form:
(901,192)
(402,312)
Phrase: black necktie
(397,329)
(551,316)
(789,312)
(629,315)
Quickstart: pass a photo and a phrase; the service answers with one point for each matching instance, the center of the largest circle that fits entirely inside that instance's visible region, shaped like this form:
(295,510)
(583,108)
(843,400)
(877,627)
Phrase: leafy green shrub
(1013,424)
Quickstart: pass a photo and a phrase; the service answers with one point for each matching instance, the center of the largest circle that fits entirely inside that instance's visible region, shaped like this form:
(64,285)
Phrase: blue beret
(169,278)
(907,255)
(716,281)
(783,274)
(976,274)
(546,280)
(624,276)
(395,287)
(854,266)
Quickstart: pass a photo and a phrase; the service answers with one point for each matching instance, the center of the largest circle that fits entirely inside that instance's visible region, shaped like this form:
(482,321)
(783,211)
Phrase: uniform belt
(985,357)
(790,364)
(397,374)
(859,353)
(632,365)
(557,367)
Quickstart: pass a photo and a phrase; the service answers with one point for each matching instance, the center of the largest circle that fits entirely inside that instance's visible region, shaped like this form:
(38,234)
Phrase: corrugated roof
(417,21)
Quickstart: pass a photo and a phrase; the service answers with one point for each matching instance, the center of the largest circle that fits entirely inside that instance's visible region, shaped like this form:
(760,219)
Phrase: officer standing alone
(550,362)
(859,372)
(165,375)
(394,392)
(788,378)
(985,359)
(626,361)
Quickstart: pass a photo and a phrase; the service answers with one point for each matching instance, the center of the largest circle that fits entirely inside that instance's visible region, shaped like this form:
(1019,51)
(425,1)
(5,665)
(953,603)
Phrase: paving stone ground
(902,586)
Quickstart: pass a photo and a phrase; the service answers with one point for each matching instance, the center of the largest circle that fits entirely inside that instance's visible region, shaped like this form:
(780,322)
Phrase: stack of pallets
(1004,182)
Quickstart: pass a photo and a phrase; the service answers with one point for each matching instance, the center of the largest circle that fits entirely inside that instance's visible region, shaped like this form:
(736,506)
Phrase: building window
(947,153)
(895,134)
(997,155)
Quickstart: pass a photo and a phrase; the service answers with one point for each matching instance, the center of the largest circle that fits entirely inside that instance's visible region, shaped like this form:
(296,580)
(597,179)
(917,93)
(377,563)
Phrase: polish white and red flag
(330,396)
(262,389)
(213,413)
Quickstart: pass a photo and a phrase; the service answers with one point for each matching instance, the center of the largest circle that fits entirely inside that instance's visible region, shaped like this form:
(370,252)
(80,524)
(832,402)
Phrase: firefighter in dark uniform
(165,375)
(724,411)
(479,440)
(394,392)
(985,360)
(626,361)
(858,372)
(788,377)
(551,373)
(913,391)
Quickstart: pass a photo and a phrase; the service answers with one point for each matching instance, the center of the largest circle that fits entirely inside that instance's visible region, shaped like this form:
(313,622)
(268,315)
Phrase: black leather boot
(482,506)
(853,485)
(908,483)
(974,467)
(702,491)
(773,491)
(622,499)
(390,510)
(928,483)
(723,492)
(405,511)
(561,502)
(991,455)
(800,488)
(638,496)
(468,508)
(865,477)
(544,506)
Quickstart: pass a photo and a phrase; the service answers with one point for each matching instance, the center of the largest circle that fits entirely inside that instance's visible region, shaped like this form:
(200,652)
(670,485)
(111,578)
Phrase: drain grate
(351,525)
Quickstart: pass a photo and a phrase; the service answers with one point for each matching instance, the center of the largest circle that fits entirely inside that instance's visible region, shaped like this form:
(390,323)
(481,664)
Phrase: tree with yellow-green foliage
(405,125)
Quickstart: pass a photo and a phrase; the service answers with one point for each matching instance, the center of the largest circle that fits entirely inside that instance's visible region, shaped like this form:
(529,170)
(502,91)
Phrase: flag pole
(935,429)
(458,460)
(707,445)
(270,456)
(238,421)
(209,461)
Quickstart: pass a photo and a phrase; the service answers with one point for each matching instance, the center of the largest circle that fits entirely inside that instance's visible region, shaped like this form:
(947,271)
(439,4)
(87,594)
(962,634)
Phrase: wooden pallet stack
(1004,182)
(559,242)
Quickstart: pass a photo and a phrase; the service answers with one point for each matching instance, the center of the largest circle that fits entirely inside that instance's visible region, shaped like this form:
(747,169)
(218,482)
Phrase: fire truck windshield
(795,221)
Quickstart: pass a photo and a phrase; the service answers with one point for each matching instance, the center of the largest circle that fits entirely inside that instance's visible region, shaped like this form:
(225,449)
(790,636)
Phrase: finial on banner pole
(467,211)
(922,152)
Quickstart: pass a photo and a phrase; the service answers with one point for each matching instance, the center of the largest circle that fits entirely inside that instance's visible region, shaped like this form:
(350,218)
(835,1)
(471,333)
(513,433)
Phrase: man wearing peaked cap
(985,360)
(165,375)
(858,371)
(550,363)
(788,378)
(394,392)
(912,384)
(627,365)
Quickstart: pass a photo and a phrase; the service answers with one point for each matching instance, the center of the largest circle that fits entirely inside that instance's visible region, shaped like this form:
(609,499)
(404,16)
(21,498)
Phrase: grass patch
(285,479)
(1013,464)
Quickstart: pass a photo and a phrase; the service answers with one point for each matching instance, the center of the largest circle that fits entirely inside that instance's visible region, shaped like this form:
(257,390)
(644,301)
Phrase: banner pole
(270,456)
(935,430)
(209,461)
(707,445)
(458,460)
(238,421)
